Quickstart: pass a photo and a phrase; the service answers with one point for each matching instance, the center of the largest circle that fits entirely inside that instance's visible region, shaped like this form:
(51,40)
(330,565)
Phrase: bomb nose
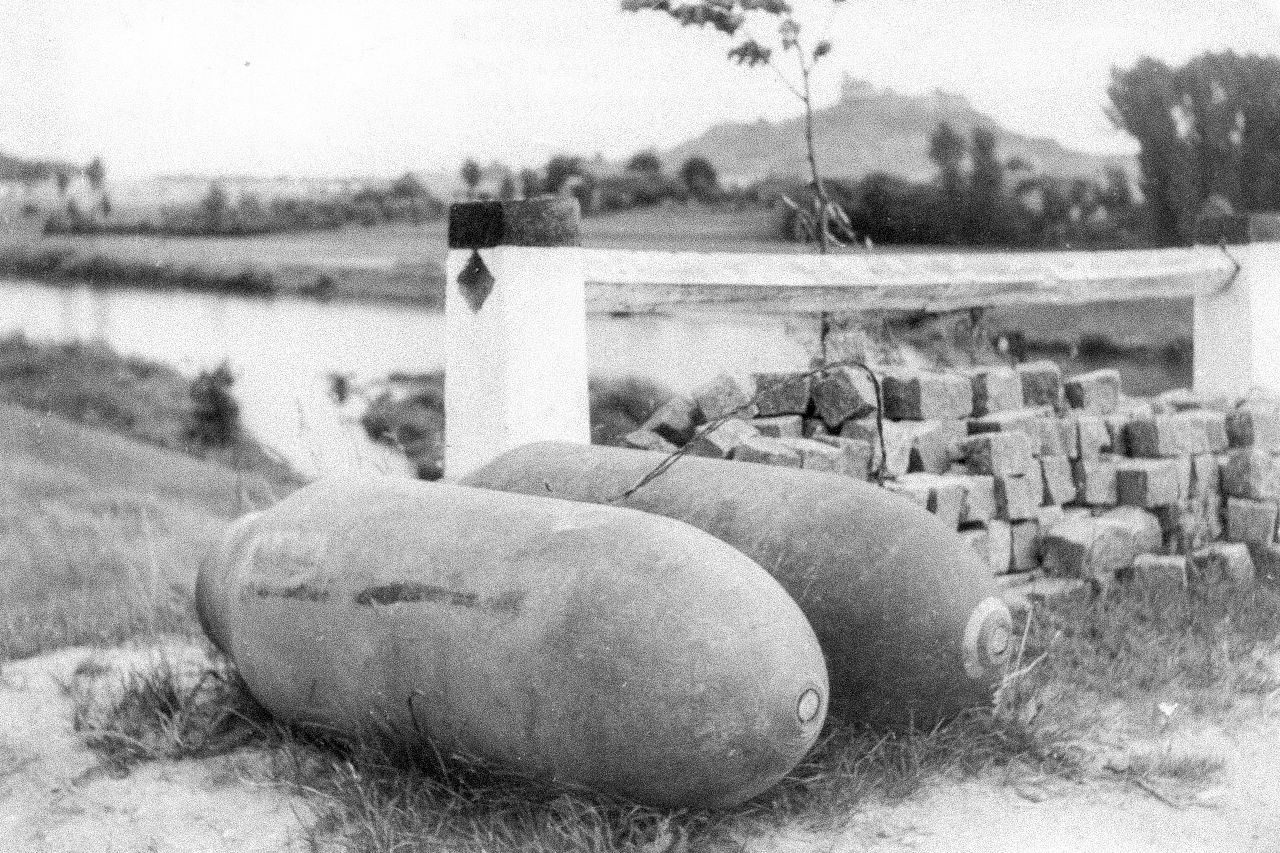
(988,638)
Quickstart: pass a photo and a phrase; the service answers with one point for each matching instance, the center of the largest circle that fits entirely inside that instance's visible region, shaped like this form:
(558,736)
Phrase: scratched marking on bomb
(413,592)
(299,590)
(289,550)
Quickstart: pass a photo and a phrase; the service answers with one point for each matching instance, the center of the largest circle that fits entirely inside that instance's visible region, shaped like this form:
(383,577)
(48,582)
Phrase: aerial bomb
(587,645)
(908,616)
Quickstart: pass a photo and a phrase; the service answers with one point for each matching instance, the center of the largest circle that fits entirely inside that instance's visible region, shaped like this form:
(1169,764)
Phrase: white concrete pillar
(516,354)
(1237,329)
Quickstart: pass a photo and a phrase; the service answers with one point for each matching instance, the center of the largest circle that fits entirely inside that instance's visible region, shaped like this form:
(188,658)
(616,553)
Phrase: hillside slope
(871,130)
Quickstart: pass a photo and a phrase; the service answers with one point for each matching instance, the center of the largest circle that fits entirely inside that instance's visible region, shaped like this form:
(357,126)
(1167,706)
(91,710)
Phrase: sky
(313,87)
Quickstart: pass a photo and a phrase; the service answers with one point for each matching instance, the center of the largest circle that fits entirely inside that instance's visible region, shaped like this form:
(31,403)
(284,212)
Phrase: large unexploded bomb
(592,646)
(908,616)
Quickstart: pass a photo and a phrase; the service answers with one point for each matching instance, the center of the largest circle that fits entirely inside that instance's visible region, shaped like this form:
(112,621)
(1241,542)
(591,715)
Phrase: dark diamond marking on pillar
(475,282)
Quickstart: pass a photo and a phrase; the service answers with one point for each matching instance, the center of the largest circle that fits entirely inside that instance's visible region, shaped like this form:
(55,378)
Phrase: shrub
(215,414)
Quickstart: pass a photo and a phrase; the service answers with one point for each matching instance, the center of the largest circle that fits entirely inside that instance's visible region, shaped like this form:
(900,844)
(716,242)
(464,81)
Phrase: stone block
(643,439)
(856,453)
(923,395)
(979,498)
(979,540)
(818,455)
(1096,548)
(1096,481)
(721,397)
(813,428)
(842,393)
(1185,469)
(1035,423)
(999,546)
(1180,434)
(898,442)
(995,389)
(1001,454)
(720,442)
(1146,482)
(1252,474)
(766,451)
(1214,427)
(1178,400)
(1059,485)
(1017,497)
(1025,546)
(1230,561)
(1170,518)
(1266,561)
(934,444)
(780,426)
(1116,433)
(675,420)
(1041,383)
(1251,521)
(1159,568)
(781,393)
(1206,475)
(942,496)
(1256,423)
(1097,391)
(1137,523)
(1068,435)
(1093,437)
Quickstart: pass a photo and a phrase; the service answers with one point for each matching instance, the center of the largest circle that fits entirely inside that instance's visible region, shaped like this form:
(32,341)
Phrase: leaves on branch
(789,33)
(750,53)
(769,7)
(719,14)
(821,49)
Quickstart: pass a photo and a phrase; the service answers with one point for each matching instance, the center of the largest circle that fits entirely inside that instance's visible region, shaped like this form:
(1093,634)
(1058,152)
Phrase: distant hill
(870,130)
(31,171)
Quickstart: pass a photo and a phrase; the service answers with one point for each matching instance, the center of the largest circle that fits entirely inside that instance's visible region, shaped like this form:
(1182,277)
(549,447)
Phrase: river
(284,350)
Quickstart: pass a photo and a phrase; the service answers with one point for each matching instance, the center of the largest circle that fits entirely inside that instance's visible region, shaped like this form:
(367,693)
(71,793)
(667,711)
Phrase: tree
(560,169)
(985,220)
(645,162)
(96,173)
(216,205)
(1209,127)
(530,183)
(948,149)
(471,176)
(737,19)
(408,186)
(508,190)
(700,177)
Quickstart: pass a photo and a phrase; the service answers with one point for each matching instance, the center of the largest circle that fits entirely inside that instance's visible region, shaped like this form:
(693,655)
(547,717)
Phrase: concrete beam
(639,281)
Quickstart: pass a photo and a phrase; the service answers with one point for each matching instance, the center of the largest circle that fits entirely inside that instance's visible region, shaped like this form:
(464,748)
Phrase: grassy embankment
(104,509)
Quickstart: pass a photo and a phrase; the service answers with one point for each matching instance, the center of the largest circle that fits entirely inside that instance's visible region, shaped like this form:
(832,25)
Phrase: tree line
(643,182)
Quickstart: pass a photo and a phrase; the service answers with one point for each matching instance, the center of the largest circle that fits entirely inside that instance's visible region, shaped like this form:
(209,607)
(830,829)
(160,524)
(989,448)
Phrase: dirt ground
(1239,811)
(55,795)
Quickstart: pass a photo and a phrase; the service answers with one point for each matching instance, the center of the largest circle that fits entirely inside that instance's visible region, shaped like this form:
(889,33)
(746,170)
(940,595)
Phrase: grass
(101,536)
(412,419)
(92,385)
(102,520)
(1084,656)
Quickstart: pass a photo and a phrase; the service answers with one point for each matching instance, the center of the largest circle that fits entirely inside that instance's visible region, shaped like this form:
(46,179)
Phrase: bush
(215,414)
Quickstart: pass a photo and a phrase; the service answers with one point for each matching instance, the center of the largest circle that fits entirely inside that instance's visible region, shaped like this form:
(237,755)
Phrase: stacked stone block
(1036,470)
